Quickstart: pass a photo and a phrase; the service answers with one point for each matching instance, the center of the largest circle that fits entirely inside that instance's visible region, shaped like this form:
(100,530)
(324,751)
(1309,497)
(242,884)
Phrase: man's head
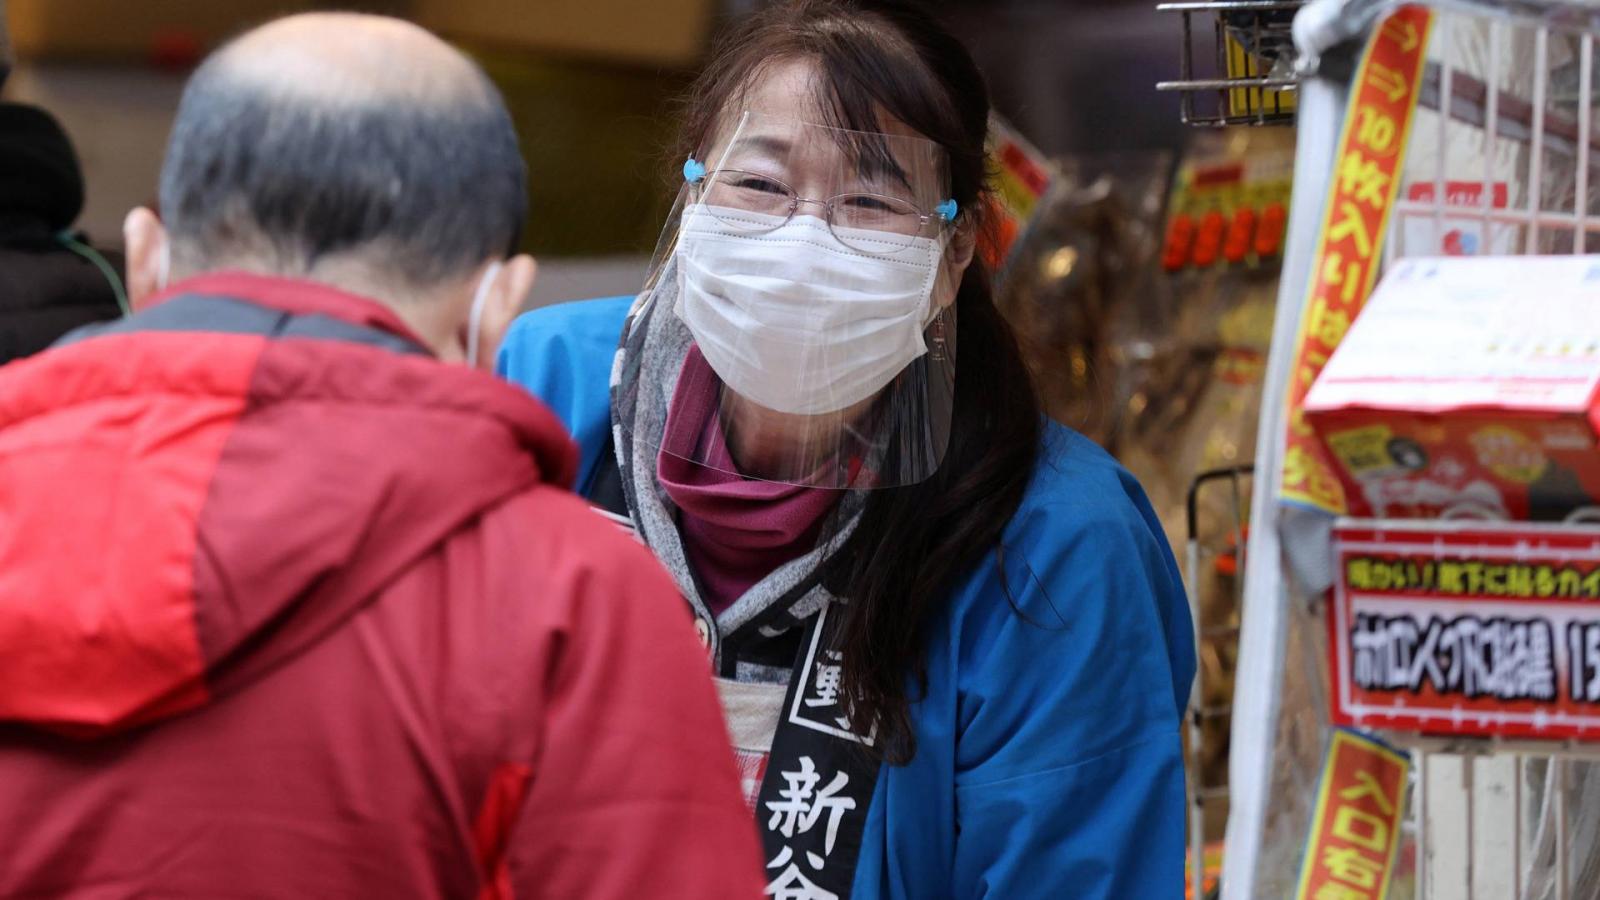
(358,151)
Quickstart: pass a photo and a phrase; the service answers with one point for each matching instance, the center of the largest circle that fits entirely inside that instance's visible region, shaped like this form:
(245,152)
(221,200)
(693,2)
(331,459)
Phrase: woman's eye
(765,185)
(871,204)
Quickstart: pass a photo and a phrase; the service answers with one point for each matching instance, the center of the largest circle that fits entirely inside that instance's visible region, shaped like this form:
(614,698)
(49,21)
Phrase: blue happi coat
(1048,761)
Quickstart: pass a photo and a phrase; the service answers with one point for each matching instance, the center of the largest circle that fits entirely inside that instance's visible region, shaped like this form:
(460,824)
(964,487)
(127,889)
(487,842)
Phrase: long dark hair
(912,543)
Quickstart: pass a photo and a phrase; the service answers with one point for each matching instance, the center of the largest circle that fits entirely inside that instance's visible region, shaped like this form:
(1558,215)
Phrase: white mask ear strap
(163,265)
(475,315)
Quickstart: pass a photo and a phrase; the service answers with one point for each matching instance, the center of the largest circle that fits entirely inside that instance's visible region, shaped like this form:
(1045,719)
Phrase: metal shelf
(1251,50)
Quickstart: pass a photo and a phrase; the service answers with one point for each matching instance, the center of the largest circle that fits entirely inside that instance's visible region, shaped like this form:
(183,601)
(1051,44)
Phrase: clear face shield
(799,322)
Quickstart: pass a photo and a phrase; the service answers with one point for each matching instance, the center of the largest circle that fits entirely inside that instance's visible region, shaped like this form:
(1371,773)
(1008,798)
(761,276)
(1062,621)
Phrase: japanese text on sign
(1468,577)
(1355,830)
(1466,656)
(1361,195)
(1488,629)
(803,806)
(818,704)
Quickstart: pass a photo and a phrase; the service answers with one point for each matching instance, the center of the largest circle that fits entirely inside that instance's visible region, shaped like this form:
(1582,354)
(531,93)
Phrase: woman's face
(776,141)
(769,158)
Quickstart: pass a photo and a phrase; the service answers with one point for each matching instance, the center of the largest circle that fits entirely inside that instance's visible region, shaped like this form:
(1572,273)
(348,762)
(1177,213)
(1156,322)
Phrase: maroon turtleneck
(735,530)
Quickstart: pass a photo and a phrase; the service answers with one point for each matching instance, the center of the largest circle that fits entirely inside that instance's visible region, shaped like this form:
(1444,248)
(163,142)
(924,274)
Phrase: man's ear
(144,237)
(507,297)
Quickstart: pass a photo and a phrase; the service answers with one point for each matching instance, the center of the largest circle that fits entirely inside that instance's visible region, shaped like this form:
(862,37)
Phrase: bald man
(293,602)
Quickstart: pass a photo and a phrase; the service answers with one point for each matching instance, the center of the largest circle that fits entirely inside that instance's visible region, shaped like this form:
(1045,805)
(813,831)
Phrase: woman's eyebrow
(882,168)
(756,148)
(777,146)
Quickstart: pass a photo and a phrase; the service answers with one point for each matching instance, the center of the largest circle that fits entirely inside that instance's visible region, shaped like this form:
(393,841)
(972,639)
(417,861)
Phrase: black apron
(820,776)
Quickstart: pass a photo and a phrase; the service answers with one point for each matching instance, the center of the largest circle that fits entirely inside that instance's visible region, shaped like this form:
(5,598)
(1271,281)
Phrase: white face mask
(163,265)
(475,315)
(796,321)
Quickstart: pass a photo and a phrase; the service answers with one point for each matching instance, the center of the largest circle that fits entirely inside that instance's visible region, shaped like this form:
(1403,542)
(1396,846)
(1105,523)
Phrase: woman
(951,642)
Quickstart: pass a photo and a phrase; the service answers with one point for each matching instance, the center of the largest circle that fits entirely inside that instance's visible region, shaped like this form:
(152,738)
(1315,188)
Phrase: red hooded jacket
(288,608)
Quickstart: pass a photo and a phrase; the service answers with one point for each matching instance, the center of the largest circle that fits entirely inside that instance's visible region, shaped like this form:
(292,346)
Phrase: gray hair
(416,173)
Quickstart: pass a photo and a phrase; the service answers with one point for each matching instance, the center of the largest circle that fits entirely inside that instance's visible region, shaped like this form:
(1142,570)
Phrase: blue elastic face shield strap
(694,171)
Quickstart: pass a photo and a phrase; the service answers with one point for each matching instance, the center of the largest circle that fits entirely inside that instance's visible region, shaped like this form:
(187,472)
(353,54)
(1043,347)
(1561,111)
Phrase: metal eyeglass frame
(694,172)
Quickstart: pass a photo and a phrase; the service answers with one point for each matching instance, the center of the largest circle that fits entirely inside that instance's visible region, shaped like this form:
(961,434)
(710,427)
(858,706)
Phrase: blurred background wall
(591,85)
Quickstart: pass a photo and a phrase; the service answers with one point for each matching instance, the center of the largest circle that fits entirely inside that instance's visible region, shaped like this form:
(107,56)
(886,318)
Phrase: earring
(938,339)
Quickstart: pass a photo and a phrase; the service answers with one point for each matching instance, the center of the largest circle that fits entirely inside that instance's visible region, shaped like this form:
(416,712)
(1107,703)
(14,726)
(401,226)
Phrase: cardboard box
(661,32)
(1468,384)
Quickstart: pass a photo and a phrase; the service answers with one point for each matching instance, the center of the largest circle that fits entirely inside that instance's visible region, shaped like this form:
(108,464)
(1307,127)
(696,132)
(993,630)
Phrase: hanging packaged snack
(1229,203)
(1193,351)
(1088,256)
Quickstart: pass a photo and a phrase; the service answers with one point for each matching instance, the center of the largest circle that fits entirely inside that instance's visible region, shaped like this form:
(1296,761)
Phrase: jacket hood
(183,506)
(39,174)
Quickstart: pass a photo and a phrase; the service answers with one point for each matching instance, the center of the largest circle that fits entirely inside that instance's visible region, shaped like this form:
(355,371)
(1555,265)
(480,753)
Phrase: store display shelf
(1250,54)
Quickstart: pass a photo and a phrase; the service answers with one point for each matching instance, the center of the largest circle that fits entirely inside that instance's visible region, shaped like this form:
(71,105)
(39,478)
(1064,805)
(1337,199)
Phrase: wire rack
(1538,138)
(1505,155)
(1211,539)
(1236,63)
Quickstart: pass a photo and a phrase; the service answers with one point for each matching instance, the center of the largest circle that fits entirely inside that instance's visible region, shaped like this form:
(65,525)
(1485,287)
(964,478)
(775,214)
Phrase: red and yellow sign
(1366,179)
(1470,628)
(1023,176)
(1355,831)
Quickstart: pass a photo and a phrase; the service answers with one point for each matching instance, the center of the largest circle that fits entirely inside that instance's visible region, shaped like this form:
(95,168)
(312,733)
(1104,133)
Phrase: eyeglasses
(866,222)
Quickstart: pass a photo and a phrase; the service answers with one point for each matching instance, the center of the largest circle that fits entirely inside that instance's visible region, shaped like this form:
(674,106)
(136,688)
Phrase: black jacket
(46,289)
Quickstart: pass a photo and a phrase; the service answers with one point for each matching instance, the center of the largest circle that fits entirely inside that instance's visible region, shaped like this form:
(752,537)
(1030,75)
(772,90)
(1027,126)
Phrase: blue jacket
(1048,760)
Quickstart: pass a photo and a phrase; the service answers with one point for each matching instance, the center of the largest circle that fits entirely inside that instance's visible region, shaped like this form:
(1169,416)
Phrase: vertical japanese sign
(818,783)
(1361,195)
(1355,830)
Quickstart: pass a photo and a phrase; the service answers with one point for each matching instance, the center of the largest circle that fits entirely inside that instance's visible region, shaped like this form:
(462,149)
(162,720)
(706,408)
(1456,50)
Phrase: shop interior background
(590,83)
